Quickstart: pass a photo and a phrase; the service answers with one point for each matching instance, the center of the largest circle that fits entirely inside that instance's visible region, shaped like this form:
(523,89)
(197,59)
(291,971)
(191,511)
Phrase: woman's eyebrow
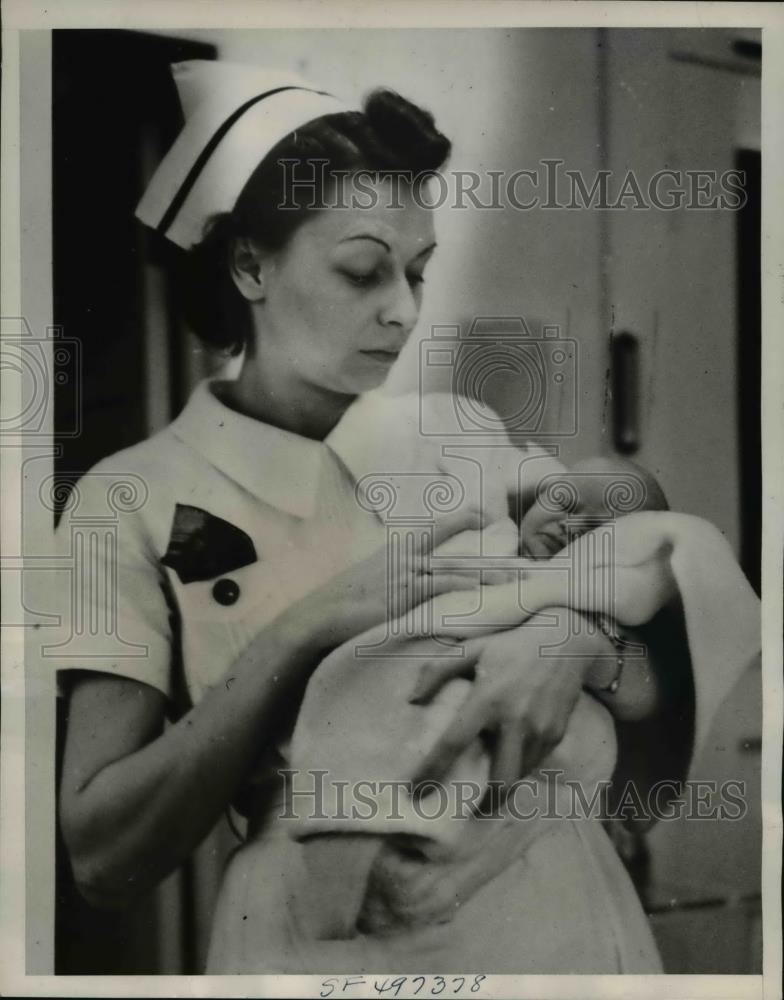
(367,236)
(387,247)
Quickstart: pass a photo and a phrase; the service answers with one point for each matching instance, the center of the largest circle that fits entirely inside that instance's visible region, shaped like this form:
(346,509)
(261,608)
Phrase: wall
(672,274)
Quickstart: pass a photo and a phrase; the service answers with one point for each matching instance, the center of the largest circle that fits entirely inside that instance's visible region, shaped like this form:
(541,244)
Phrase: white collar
(278,466)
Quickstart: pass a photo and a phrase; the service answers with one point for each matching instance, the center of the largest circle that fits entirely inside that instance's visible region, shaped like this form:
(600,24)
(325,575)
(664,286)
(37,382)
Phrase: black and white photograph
(392,532)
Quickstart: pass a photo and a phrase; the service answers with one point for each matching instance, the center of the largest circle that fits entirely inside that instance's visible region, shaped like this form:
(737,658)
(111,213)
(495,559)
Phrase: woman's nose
(400,308)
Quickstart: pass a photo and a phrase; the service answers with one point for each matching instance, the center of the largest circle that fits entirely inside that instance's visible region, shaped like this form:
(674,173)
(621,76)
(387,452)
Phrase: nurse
(249,558)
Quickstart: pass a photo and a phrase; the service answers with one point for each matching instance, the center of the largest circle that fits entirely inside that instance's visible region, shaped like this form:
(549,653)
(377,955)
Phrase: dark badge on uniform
(202,546)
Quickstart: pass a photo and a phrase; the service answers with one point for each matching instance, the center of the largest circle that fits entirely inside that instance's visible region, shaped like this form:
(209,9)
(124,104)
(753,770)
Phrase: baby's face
(543,532)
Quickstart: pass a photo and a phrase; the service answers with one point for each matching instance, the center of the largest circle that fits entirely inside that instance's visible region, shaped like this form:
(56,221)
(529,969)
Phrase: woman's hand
(361,596)
(526,684)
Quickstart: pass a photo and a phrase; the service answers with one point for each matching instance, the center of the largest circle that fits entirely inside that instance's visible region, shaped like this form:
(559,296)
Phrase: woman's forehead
(394,219)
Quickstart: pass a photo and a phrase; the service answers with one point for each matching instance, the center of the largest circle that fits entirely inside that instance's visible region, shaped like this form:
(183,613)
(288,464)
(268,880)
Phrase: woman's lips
(385,357)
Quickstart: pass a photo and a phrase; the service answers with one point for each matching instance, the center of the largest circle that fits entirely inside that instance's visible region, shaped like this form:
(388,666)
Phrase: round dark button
(226,592)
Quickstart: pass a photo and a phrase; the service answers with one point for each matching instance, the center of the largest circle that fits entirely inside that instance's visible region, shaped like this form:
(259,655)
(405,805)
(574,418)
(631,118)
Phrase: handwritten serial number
(407,986)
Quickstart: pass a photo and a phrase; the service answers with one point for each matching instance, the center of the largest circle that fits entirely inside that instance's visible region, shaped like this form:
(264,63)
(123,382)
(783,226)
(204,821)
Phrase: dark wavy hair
(389,135)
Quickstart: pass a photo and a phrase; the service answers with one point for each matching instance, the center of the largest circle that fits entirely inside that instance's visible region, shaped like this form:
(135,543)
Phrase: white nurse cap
(234,115)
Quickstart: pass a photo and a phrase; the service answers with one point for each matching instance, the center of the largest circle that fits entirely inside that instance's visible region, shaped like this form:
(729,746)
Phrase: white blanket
(356,724)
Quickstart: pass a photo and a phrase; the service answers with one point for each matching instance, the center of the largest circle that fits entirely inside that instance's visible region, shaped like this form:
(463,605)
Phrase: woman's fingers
(462,731)
(507,757)
(469,519)
(446,581)
(436,673)
(420,588)
(544,739)
(534,751)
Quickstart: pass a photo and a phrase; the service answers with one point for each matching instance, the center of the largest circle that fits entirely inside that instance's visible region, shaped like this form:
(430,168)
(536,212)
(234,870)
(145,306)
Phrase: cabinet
(705,875)
(686,284)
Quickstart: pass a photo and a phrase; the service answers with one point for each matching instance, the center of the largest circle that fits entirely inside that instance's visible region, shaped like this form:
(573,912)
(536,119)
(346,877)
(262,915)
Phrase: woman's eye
(366,279)
(361,279)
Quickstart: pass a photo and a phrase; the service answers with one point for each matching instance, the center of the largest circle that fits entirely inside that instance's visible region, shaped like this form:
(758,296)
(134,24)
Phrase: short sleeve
(114,616)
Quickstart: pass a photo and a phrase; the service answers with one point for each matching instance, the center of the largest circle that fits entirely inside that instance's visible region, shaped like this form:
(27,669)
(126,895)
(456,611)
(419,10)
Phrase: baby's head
(593,491)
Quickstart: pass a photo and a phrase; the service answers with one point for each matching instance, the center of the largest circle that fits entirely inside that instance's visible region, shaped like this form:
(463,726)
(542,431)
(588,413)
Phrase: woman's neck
(284,401)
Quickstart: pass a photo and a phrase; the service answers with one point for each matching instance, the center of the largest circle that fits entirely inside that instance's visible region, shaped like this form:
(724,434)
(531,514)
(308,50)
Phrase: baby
(593,492)
(346,693)
(562,506)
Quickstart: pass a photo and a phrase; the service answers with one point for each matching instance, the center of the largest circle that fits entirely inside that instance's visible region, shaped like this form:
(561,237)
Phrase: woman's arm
(137,796)
(639,692)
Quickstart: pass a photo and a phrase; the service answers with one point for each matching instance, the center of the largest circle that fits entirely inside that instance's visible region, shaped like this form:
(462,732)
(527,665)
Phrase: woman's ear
(247,270)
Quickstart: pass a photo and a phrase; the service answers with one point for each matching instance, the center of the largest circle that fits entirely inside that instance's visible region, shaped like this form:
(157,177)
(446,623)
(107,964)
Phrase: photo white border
(181,14)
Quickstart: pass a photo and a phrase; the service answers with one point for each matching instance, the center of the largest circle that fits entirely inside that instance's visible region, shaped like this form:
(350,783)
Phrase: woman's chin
(364,381)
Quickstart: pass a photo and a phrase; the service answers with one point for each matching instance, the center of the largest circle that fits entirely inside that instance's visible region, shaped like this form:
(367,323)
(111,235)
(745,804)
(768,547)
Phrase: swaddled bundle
(356,722)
